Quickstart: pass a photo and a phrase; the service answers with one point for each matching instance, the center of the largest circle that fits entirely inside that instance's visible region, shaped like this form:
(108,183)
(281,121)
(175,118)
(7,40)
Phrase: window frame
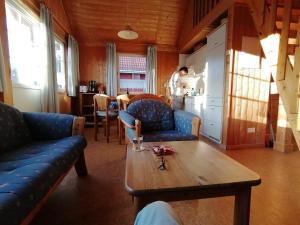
(61,41)
(29,14)
(118,69)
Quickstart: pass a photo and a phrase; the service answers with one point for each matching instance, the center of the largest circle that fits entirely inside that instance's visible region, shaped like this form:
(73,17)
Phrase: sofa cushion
(154,115)
(183,121)
(156,136)
(29,172)
(13,129)
(47,126)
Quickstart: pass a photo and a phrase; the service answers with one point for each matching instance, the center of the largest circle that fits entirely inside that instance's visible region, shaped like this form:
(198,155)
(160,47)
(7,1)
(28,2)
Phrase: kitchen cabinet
(210,106)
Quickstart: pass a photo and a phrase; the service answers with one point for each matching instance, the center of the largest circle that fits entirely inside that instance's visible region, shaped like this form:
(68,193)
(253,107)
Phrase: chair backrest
(155,115)
(123,101)
(145,96)
(101,102)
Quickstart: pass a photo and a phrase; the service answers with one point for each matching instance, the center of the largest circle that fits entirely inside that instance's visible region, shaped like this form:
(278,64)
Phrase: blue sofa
(156,121)
(36,152)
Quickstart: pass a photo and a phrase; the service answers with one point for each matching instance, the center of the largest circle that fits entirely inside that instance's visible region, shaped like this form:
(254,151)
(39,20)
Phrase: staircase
(278,26)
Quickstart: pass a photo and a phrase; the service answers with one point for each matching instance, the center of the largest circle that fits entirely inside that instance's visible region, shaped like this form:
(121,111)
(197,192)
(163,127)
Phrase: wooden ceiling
(98,21)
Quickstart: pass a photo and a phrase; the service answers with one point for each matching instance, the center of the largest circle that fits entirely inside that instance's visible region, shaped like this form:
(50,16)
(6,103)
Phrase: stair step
(293,26)
(291,49)
(295,11)
(294,16)
(295,4)
(292,41)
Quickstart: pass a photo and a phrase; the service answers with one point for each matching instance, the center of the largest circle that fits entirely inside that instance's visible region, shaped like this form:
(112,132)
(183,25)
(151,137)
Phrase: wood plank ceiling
(98,21)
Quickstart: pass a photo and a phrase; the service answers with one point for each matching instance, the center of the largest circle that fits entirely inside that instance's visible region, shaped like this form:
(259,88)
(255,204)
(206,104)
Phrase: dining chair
(105,110)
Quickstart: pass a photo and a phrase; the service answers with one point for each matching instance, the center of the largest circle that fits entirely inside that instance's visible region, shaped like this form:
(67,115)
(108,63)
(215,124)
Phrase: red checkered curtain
(151,63)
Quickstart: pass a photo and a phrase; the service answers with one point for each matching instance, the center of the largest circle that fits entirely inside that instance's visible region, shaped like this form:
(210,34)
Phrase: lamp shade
(128,33)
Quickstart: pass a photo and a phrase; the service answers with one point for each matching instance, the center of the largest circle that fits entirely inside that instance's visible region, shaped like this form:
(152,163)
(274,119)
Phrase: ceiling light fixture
(128,33)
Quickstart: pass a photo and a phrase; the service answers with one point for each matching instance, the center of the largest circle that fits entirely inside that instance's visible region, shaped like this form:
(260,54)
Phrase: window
(60,65)
(24,46)
(132,70)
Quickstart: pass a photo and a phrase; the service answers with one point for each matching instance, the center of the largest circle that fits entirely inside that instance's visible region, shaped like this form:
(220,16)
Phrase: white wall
(27,99)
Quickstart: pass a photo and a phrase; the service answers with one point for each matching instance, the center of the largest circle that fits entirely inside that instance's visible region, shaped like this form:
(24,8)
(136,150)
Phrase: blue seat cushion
(29,172)
(167,135)
(110,113)
(13,129)
(153,114)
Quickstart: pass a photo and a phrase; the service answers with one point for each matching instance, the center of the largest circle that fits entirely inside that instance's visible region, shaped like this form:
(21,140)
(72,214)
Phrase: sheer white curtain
(2,70)
(151,63)
(73,66)
(49,89)
(111,70)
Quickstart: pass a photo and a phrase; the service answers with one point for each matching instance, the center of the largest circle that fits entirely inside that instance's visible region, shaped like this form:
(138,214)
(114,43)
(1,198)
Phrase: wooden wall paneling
(202,12)
(250,86)
(228,77)
(92,63)
(64,103)
(195,14)
(7,96)
(167,63)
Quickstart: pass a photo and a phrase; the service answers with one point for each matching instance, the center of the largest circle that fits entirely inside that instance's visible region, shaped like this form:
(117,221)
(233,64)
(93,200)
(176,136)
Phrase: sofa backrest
(154,115)
(13,129)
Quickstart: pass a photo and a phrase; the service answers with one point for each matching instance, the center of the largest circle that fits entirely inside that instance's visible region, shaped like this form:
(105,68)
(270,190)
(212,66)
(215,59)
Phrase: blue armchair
(156,121)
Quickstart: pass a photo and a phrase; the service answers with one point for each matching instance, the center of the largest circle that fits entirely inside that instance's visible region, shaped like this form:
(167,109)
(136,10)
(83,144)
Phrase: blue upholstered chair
(156,121)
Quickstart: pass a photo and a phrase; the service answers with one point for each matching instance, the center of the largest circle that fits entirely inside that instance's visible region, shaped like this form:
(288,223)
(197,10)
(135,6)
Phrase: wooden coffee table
(197,170)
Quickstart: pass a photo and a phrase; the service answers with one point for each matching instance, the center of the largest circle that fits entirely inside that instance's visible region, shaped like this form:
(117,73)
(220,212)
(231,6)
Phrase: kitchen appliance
(92,87)
(83,88)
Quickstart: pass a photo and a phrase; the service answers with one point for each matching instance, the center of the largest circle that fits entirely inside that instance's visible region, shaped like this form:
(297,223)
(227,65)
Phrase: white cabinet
(210,106)
(197,60)
(217,37)
(194,105)
(215,71)
(213,105)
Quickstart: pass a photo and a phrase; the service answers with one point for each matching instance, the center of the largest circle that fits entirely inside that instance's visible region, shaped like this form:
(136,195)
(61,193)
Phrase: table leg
(242,207)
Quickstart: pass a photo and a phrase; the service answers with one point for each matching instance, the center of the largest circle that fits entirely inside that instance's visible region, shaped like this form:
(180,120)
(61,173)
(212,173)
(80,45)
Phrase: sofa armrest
(48,126)
(78,126)
(127,119)
(186,122)
(196,123)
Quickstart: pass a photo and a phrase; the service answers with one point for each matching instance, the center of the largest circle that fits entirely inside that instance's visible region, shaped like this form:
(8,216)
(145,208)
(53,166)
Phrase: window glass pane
(132,70)
(24,47)
(60,64)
